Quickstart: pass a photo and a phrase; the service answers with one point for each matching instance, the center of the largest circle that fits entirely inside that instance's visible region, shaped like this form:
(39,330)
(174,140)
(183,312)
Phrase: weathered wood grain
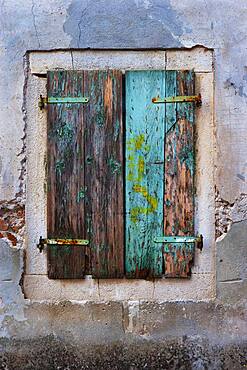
(178,259)
(179,174)
(144,173)
(85,174)
(104,172)
(65,175)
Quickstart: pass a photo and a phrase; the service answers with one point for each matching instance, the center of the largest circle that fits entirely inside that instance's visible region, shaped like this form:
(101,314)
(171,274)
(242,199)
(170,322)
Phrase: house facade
(123,210)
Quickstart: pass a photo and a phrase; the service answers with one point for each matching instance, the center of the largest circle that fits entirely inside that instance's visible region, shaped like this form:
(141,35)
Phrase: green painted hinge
(178,99)
(181,239)
(43,242)
(60,100)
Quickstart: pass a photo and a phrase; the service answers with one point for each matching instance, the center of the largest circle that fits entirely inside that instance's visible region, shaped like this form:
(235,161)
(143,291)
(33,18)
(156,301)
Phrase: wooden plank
(179,179)
(144,173)
(65,175)
(66,262)
(178,258)
(104,172)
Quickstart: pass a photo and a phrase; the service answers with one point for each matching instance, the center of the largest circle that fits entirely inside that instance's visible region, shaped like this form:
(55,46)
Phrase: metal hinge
(60,100)
(43,242)
(181,239)
(179,99)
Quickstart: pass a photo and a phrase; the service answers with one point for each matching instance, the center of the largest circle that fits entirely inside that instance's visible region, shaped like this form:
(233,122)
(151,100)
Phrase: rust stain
(67,241)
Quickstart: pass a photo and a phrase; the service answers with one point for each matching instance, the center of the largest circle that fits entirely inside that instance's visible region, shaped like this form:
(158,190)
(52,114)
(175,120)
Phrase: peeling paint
(238,89)
(227,213)
(12,222)
(106,23)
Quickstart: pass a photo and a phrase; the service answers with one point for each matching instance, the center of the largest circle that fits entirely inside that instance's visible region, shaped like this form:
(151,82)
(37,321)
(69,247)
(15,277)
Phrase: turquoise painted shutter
(145,131)
(159,191)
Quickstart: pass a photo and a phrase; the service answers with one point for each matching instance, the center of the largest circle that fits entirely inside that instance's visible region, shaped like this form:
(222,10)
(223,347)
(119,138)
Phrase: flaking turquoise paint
(144,173)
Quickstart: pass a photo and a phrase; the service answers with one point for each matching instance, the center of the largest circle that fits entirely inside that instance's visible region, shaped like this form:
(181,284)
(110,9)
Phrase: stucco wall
(219,25)
(202,284)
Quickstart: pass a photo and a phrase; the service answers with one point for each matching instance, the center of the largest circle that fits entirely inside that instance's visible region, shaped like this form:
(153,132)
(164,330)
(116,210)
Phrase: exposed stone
(227,213)
(3,225)
(12,221)
(12,238)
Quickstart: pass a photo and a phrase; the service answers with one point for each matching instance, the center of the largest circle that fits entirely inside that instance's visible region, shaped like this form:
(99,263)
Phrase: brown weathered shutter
(179,174)
(104,172)
(85,174)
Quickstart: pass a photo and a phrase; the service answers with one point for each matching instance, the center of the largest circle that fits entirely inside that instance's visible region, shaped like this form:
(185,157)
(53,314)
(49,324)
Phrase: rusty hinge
(43,242)
(179,99)
(181,239)
(60,100)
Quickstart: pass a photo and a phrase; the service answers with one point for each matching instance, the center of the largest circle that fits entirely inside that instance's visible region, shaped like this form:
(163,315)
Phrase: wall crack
(34,23)
(79,24)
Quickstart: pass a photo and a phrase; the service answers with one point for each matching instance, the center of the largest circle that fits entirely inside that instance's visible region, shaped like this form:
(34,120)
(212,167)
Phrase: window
(120,174)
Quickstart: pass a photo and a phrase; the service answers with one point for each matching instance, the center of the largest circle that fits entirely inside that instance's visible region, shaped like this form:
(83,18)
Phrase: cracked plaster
(229,213)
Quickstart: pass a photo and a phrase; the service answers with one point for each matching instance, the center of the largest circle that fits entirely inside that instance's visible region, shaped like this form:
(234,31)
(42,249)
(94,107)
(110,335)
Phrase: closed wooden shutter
(145,133)
(85,174)
(118,185)
(159,174)
(179,174)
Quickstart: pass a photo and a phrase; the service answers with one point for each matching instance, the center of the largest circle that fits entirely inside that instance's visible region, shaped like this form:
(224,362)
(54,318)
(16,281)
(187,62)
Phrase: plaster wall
(36,283)
(38,25)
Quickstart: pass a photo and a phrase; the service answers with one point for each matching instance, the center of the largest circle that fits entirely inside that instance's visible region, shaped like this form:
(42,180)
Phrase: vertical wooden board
(179,170)
(144,173)
(65,175)
(178,259)
(170,109)
(66,261)
(104,172)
